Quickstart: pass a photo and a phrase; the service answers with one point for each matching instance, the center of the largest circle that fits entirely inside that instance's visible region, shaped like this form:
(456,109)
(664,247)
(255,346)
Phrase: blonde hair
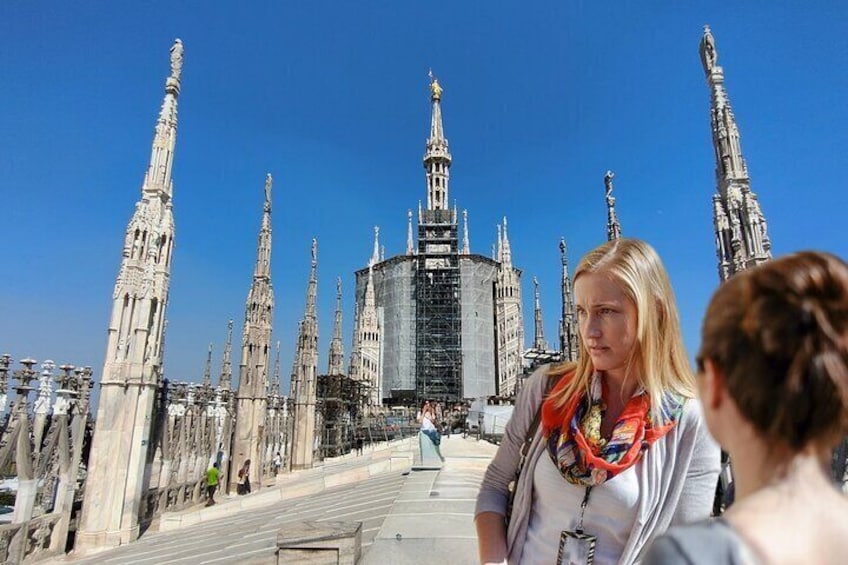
(659,352)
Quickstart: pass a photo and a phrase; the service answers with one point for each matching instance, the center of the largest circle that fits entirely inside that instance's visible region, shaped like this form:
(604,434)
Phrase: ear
(713,392)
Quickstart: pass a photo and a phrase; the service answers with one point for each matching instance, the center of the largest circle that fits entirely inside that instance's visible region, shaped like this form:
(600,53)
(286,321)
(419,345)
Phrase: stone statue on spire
(177,58)
(268,183)
(709,55)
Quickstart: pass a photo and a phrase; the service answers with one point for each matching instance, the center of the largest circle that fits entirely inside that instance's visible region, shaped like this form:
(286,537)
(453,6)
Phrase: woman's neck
(621,387)
(758,466)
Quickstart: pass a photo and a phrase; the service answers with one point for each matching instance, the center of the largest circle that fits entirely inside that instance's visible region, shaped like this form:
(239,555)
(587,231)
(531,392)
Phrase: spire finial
(709,55)
(314,252)
(435,88)
(177,59)
(268,183)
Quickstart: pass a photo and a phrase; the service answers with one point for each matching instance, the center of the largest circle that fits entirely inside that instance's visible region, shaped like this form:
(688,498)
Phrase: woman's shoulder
(707,542)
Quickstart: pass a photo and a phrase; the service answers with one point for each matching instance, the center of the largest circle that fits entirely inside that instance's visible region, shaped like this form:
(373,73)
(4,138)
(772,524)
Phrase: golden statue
(435,88)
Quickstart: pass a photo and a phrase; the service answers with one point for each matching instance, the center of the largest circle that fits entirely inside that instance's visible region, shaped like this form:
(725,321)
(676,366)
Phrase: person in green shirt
(211,483)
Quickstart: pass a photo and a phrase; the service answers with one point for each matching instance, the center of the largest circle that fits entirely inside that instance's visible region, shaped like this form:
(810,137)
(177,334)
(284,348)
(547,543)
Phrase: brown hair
(779,333)
(659,353)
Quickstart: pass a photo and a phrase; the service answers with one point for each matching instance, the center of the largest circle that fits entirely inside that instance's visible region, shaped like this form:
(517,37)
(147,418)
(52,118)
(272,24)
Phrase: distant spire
(207,370)
(353,369)
(336,357)
(226,378)
(410,243)
(539,342)
(382,253)
(375,255)
(466,247)
(499,255)
(507,251)
(437,159)
(742,239)
(613,226)
(275,384)
(567,323)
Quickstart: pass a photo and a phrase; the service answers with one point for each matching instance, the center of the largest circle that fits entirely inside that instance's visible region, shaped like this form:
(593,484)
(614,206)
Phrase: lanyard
(583,506)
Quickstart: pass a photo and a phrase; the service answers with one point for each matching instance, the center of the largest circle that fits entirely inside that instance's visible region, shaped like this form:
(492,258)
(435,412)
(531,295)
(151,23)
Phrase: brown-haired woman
(621,451)
(774,385)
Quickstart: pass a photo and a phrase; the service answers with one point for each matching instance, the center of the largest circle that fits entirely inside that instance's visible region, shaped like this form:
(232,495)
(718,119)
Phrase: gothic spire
(613,226)
(539,342)
(336,357)
(742,239)
(437,159)
(207,370)
(466,247)
(226,378)
(410,242)
(567,323)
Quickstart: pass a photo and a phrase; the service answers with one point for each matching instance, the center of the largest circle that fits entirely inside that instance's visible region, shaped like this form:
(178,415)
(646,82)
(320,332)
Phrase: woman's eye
(606,310)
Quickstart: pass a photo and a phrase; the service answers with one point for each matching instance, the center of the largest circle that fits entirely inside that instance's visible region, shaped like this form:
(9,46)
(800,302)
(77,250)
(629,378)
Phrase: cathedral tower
(740,228)
(251,395)
(132,372)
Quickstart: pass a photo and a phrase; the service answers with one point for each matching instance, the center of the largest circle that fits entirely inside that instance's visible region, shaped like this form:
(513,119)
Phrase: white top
(427,422)
(610,514)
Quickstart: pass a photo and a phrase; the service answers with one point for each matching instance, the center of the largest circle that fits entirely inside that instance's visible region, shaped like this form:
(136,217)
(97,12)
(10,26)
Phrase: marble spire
(305,372)
(568,320)
(466,245)
(207,369)
(741,233)
(132,372)
(613,226)
(336,357)
(255,364)
(539,342)
(225,381)
(410,241)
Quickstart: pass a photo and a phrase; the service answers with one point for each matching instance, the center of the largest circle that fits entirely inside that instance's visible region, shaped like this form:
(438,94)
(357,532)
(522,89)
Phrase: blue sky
(541,98)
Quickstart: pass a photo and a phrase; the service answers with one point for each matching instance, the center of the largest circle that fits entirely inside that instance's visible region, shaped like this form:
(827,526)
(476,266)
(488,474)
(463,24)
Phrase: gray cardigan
(677,475)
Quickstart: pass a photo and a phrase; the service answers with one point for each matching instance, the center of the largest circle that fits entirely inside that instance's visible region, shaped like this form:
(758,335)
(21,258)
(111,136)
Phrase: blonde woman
(617,451)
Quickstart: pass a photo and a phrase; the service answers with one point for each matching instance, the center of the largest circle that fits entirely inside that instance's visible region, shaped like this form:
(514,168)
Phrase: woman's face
(607,321)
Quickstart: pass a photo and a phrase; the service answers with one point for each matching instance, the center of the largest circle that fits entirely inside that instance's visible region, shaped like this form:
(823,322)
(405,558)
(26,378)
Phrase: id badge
(576,548)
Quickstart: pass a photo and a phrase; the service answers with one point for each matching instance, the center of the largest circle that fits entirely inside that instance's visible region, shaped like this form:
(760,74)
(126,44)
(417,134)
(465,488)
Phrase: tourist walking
(774,384)
(211,483)
(244,479)
(427,418)
(278,463)
(624,411)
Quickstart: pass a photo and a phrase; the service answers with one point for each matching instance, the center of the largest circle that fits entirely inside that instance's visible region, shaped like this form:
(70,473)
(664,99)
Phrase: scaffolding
(438,309)
(340,408)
